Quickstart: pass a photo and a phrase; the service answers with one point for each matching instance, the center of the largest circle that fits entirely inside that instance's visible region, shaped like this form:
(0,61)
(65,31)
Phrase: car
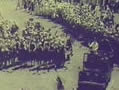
(92,80)
(96,72)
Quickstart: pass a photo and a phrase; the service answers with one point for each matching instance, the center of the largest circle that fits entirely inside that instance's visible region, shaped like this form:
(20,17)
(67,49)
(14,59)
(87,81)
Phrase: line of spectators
(34,44)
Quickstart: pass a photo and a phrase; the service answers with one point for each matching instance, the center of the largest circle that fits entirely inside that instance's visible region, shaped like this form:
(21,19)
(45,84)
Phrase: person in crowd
(25,4)
(32,6)
(117,28)
(94,46)
(60,85)
(18,4)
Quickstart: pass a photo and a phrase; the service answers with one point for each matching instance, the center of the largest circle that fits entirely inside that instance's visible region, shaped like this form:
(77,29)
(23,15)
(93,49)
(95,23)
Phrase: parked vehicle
(90,80)
(96,73)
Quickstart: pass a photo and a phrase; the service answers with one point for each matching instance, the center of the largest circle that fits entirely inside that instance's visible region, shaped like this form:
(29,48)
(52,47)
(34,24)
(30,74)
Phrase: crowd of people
(34,44)
(44,45)
(29,5)
(53,49)
(92,17)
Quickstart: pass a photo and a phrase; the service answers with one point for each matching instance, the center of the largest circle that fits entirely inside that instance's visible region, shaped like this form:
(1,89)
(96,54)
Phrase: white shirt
(94,45)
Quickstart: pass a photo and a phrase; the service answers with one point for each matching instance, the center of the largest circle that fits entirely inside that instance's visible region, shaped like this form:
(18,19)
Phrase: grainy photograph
(59,44)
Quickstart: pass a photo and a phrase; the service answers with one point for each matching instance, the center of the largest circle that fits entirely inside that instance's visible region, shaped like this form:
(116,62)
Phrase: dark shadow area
(25,66)
(11,65)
